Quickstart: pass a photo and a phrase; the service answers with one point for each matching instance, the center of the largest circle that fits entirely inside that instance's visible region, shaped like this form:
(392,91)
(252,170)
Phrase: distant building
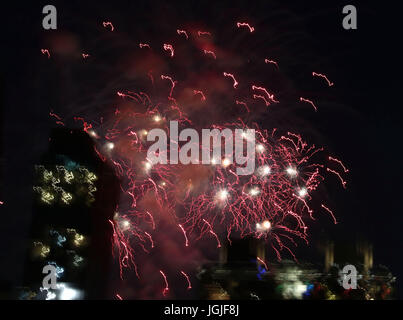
(374,282)
(243,273)
(75,195)
(239,273)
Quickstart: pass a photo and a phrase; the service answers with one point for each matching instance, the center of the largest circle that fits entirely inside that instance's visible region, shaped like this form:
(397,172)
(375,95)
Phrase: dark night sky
(360,121)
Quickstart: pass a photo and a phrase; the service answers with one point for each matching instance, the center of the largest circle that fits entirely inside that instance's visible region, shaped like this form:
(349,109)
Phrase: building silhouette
(75,195)
(243,272)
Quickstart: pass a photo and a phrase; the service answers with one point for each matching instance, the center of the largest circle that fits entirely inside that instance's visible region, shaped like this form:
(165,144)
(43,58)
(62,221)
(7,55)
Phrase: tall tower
(75,195)
(365,252)
(329,255)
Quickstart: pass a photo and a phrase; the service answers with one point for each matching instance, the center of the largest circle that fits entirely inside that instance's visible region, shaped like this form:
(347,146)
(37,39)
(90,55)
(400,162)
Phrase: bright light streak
(264,171)
(92,133)
(292,172)
(125,224)
(147,166)
(254,191)
(264,226)
(222,195)
(226,162)
(109,145)
(67,293)
(302,192)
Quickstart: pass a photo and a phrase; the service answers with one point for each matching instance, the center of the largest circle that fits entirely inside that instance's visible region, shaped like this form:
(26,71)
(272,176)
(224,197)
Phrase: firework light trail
(109,24)
(144,45)
(203,33)
(309,101)
(232,77)
(245,24)
(166,289)
(169,47)
(183,32)
(314,74)
(212,53)
(187,279)
(46,51)
(262,262)
(272,62)
(205,202)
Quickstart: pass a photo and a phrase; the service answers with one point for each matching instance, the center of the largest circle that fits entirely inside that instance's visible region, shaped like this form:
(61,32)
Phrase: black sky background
(360,121)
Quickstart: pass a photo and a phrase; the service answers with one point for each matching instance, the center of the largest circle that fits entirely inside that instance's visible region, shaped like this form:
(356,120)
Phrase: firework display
(208,202)
(198,151)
